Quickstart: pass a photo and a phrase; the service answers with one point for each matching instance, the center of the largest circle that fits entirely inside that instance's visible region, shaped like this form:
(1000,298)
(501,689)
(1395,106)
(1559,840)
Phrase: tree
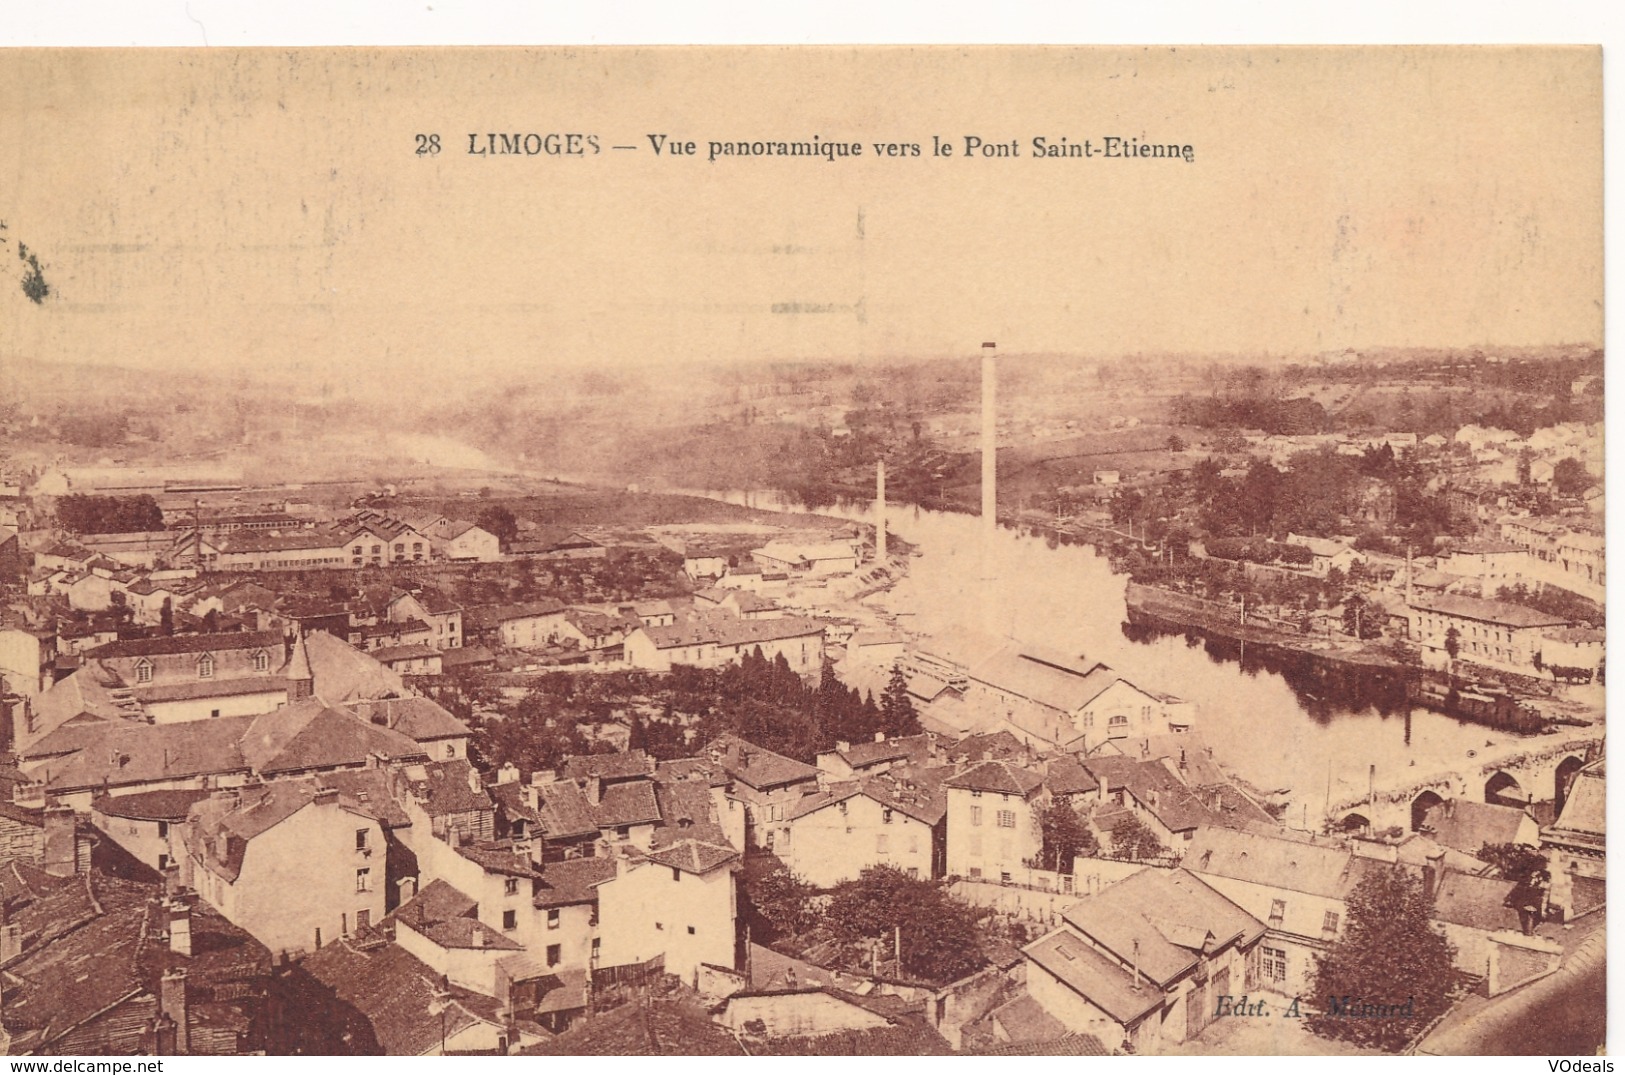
(1065,837)
(1174,443)
(497,519)
(782,902)
(1360,619)
(897,715)
(1134,842)
(940,940)
(1512,862)
(1390,955)
(1569,477)
(1452,642)
(166,617)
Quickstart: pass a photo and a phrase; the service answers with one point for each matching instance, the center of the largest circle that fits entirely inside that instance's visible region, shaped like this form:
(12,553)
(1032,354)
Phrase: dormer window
(262,661)
(205,666)
(143,671)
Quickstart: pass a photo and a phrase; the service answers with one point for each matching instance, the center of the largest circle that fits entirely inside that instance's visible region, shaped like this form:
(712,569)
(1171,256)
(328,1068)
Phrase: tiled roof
(422,719)
(1496,612)
(387,654)
(693,856)
(1467,826)
(150,805)
(493,858)
(874,752)
(725,630)
(1066,775)
(1172,917)
(312,735)
(120,753)
(564,811)
(1466,899)
(620,765)
(216,643)
(999,776)
(756,766)
(631,803)
(444,787)
(396,996)
(208,688)
(342,673)
(674,1026)
(687,811)
(1159,791)
(1070,1045)
(1108,986)
(1316,866)
(571,881)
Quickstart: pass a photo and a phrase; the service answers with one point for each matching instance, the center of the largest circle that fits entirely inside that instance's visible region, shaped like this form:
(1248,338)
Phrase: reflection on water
(1277,721)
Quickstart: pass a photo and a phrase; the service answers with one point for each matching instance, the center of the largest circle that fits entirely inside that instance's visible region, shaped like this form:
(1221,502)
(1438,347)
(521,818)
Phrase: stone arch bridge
(1512,777)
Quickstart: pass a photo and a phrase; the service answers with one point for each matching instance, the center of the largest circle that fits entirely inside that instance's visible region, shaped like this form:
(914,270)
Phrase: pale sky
(226,208)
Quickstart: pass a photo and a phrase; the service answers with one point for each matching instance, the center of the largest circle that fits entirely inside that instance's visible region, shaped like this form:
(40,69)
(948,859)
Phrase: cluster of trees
(1260,552)
(671,715)
(882,913)
(1065,837)
(87,514)
(1555,602)
(1290,417)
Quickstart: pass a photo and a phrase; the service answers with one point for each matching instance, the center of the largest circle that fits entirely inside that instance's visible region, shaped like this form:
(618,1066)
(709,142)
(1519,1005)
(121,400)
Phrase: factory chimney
(880,511)
(990,488)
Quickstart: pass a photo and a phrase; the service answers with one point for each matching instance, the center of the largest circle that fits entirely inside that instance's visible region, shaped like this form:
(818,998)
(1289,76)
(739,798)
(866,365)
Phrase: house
(27,656)
(195,677)
(1484,632)
(1153,792)
(1493,563)
(993,820)
(1297,884)
(441,613)
(412,660)
(297,548)
(463,542)
(679,902)
(1576,843)
(848,761)
(556,543)
(710,641)
(289,861)
(888,819)
(376,539)
(141,823)
(1327,554)
(1573,647)
(424,721)
(531,625)
(768,785)
(819,559)
(1141,964)
(1044,699)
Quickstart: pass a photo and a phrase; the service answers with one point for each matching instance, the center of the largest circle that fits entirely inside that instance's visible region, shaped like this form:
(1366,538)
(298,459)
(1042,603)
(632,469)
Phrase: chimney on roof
(172,1002)
(326,797)
(474,780)
(179,913)
(61,842)
(1432,874)
(29,794)
(478,936)
(1136,964)
(595,789)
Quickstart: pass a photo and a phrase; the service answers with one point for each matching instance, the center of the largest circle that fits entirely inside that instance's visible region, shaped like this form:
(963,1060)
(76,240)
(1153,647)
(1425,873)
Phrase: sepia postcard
(802,551)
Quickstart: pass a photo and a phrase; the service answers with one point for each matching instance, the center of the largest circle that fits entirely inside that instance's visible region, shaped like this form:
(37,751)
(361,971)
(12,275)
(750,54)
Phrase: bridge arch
(1354,823)
(1563,779)
(1503,789)
(1421,805)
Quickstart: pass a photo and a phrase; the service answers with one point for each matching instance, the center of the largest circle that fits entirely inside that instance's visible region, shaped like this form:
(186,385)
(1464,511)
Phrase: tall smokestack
(990,440)
(990,486)
(880,511)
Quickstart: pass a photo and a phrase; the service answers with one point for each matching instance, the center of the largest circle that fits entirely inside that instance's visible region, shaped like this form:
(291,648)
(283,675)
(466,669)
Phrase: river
(1067,597)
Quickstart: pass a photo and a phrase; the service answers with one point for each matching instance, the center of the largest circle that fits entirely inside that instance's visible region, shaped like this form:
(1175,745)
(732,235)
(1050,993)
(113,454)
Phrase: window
(1277,912)
(1007,819)
(976,815)
(214,713)
(975,794)
(510,920)
(552,918)
(1274,964)
(376,550)
(205,666)
(163,830)
(361,839)
(660,926)
(356,551)
(1004,877)
(623,831)
(555,953)
(143,672)
(885,816)
(363,880)
(400,547)
(691,931)
(510,886)
(595,949)
(1329,923)
(975,873)
(262,661)
(676,875)
(914,871)
(451,750)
